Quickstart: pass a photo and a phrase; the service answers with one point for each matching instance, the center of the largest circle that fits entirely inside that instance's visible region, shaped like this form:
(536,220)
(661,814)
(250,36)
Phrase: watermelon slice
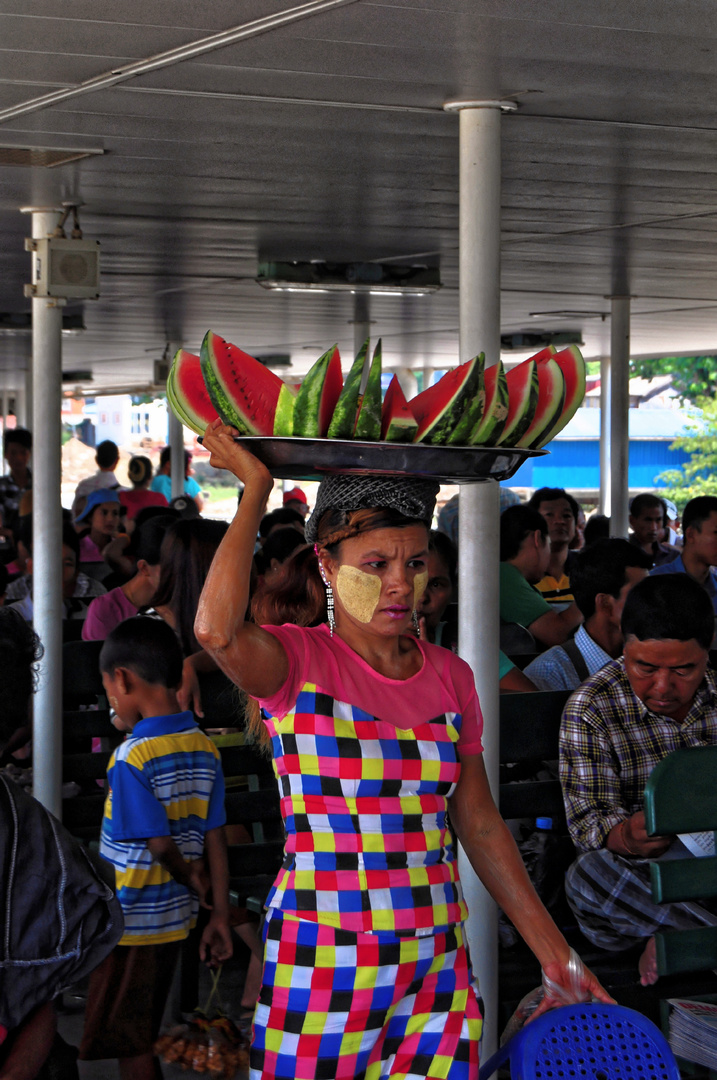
(523,389)
(318,396)
(551,395)
(187,392)
(474,408)
(572,365)
(343,422)
(368,421)
(244,392)
(439,409)
(492,422)
(544,354)
(398,424)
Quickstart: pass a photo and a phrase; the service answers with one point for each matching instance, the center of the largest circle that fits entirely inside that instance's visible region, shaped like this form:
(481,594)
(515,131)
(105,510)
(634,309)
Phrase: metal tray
(313,459)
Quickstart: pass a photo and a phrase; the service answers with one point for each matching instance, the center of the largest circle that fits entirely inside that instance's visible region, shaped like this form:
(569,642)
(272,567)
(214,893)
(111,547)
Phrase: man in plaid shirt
(661,695)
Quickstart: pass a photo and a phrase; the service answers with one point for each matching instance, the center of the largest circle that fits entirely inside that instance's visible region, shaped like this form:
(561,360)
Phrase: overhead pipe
(174,56)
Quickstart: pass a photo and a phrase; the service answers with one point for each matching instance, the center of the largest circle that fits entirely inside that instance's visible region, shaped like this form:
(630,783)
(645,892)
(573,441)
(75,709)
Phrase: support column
(176,442)
(479,519)
(408,381)
(46,396)
(619,413)
(361,320)
(605,379)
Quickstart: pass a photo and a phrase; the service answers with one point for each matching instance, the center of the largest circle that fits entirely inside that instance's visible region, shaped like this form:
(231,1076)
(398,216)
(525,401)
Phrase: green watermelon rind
(540,426)
(217,394)
(368,421)
(446,417)
(523,418)
(343,422)
(474,406)
(570,409)
(284,415)
(308,402)
(176,407)
(401,427)
(491,424)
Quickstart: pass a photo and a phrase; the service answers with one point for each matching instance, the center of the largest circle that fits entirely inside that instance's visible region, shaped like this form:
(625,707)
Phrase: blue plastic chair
(587,1042)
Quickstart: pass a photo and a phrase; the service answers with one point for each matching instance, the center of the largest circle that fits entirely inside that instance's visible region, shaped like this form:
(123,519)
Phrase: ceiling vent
(42,157)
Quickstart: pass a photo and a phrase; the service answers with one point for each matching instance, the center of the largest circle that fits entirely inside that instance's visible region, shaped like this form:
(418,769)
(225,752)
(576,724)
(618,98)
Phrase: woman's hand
(569,984)
(228,454)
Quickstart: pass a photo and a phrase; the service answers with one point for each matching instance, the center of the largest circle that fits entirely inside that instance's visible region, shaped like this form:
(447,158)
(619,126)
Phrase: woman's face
(379,578)
(105,519)
(439,591)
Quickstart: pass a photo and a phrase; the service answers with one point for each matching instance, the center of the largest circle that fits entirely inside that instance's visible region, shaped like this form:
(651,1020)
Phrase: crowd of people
(341,626)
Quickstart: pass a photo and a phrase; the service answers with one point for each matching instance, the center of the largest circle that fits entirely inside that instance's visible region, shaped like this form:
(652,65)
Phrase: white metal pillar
(408,381)
(46,390)
(176,443)
(605,379)
(479,520)
(619,413)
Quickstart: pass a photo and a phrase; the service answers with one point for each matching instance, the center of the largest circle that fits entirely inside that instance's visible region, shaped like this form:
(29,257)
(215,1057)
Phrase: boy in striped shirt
(164,814)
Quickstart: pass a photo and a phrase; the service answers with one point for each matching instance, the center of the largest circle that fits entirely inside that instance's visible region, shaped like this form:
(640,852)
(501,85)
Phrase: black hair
(516,523)
(646,501)
(20,650)
(18,435)
(4,578)
(548,494)
(148,648)
(71,539)
(669,607)
(446,551)
(284,516)
(601,568)
(147,512)
(278,546)
(139,469)
(597,528)
(697,511)
(107,454)
(22,531)
(146,542)
(166,456)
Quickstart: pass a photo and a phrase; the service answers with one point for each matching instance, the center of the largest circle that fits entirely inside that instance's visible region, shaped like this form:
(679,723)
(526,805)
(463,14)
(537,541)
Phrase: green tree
(693,377)
(698,476)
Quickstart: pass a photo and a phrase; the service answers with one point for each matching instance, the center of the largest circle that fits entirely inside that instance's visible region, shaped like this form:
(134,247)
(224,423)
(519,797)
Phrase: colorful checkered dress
(366,972)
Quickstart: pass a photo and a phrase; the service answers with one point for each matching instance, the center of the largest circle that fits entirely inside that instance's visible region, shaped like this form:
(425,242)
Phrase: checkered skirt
(366,972)
(336,1005)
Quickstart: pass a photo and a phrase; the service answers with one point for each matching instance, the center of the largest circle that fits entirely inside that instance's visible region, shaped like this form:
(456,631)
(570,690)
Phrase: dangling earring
(416,623)
(114,703)
(329,598)
(330,608)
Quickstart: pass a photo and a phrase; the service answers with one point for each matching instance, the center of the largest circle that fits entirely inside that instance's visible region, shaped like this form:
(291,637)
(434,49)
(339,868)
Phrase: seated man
(699,551)
(601,577)
(647,521)
(560,510)
(660,696)
(524,555)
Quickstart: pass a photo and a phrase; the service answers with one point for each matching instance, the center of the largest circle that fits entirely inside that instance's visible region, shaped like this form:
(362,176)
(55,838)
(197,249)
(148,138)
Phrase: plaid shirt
(610,743)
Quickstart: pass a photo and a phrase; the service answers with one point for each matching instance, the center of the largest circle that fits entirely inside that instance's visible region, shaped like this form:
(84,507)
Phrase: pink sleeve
(470,741)
(293,640)
(94,628)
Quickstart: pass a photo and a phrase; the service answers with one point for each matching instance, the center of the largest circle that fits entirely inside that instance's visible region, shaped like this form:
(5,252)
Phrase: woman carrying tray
(375,736)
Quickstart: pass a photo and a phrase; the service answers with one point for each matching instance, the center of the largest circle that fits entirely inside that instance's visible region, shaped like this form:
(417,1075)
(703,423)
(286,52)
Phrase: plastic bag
(572,994)
(213,1046)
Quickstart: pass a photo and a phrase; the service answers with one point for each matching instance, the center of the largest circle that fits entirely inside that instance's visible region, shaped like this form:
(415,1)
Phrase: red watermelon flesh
(190,390)
(544,354)
(243,391)
(439,408)
(551,395)
(398,423)
(523,390)
(572,365)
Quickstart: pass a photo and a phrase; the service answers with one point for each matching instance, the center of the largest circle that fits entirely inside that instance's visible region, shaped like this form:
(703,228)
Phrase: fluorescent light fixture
(372,278)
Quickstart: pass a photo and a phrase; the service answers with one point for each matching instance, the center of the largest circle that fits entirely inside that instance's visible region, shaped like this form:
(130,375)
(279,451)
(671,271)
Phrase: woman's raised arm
(253,659)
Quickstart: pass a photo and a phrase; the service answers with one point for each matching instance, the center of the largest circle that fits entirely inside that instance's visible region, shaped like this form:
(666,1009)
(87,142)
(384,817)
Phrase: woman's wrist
(623,839)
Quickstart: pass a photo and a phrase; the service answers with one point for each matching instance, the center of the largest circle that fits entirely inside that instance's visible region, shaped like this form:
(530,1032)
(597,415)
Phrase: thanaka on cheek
(419,587)
(358,591)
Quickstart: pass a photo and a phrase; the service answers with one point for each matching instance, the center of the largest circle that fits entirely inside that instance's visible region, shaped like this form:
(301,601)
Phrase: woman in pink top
(375,735)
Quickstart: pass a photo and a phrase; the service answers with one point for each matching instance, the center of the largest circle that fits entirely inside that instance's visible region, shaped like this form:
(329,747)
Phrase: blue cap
(96,498)
(543,823)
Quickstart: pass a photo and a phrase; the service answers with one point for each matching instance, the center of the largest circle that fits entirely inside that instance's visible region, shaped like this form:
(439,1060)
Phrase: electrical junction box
(161,372)
(65,269)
